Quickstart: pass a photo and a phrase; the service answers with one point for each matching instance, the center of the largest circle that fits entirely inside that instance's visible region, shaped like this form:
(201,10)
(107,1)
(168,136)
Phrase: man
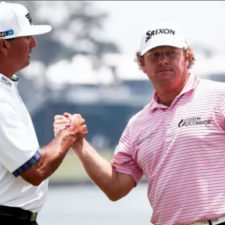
(177,141)
(24,166)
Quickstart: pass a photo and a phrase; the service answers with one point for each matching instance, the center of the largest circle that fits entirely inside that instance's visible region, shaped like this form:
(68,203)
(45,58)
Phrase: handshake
(71,128)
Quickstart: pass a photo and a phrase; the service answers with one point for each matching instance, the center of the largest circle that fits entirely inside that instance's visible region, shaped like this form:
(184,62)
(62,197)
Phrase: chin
(25,65)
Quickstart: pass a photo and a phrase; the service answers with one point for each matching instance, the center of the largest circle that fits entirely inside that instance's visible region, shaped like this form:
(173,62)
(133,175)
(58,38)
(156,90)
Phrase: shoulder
(5,96)
(140,116)
(210,92)
(4,92)
(210,88)
(210,85)
(6,104)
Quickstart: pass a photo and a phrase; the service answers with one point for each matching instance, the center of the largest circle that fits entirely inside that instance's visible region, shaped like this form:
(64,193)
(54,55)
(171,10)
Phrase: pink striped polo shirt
(181,151)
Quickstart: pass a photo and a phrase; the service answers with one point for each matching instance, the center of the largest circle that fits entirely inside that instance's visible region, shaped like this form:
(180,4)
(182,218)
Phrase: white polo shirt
(19,150)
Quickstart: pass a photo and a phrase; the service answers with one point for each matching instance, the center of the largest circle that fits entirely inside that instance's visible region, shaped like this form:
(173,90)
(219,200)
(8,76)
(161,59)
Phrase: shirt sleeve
(221,103)
(18,149)
(124,159)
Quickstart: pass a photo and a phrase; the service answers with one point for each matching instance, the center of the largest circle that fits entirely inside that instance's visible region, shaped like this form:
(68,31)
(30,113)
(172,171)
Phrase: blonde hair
(187,51)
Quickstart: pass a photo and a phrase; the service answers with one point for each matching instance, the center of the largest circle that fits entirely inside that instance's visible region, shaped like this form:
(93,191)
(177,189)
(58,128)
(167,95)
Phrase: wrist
(65,140)
(78,146)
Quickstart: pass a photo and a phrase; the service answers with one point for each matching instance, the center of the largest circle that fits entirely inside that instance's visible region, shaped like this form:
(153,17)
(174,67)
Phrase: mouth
(164,70)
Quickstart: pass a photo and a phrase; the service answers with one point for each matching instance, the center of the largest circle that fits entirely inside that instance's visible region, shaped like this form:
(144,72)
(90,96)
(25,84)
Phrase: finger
(61,123)
(85,132)
(61,127)
(77,124)
(58,129)
(61,119)
(67,115)
(58,117)
(76,116)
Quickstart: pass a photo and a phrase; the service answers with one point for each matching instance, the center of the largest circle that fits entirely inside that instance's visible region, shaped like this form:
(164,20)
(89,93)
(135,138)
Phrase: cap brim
(37,29)
(177,43)
(32,30)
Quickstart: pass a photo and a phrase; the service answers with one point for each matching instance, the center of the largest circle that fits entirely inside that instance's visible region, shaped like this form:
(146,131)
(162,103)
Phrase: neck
(167,95)
(4,69)
(166,98)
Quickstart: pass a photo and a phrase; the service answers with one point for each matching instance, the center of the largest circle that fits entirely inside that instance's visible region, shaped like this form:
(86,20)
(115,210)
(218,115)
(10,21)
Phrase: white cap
(15,21)
(162,34)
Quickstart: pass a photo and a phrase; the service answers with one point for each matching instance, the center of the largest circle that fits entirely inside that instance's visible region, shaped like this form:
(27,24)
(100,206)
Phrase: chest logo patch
(193,121)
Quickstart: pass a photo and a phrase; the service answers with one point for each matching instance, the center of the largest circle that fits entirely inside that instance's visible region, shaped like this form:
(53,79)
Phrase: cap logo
(6,82)
(151,33)
(6,33)
(29,17)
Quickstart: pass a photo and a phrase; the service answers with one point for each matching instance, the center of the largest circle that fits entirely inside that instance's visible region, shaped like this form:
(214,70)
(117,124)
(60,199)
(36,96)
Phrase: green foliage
(71,169)
(77,29)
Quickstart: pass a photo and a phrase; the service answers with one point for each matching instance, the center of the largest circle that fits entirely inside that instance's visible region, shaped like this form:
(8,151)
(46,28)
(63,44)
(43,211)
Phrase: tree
(77,29)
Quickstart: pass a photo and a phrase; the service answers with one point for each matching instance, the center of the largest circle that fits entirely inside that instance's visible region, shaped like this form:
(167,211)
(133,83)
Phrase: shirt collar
(189,86)
(7,82)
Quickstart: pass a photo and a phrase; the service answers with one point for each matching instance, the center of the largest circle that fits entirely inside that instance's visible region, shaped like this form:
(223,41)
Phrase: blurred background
(87,65)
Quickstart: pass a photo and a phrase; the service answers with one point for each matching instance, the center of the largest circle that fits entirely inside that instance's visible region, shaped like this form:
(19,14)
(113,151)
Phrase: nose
(163,59)
(33,42)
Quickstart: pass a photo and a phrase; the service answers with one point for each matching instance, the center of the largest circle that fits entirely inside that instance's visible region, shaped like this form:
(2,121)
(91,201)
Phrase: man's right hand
(74,123)
(53,154)
(78,126)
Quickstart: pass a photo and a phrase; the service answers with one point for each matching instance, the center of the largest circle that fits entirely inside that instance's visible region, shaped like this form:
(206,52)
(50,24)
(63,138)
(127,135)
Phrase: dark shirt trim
(27,164)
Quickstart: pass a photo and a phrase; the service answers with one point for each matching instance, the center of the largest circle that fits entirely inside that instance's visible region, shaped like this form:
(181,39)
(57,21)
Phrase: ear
(141,62)
(4,46)
(187,58)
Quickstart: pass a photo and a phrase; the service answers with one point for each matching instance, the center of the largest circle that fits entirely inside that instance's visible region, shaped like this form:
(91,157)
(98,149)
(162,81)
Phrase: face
(166,67)
(20,51)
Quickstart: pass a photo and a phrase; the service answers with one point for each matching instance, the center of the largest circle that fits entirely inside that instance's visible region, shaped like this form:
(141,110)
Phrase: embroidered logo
(193,121)
(151,33)
(146,137)
(6,82)
(29,17)
(6,33)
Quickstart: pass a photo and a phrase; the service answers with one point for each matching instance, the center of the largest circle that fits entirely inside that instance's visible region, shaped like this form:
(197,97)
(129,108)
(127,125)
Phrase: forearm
(53,153)
(115,185)
(51,157)
(96,166)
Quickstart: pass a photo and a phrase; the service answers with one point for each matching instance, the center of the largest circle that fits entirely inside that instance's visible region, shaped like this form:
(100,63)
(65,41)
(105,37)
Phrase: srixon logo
(193,121)
(151,33)
(29,18)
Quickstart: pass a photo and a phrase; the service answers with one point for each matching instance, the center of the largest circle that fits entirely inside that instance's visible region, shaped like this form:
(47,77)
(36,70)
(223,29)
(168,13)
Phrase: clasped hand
(75,123)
